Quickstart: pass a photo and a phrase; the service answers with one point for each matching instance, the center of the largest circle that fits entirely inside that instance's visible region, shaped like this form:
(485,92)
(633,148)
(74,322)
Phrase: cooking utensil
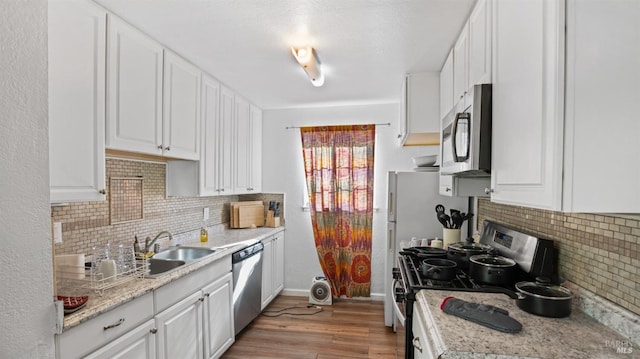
(444,219)
(439,269)
(426,252)
(461,252)
(544,299)
(491,269)
(439,208)
(456,219)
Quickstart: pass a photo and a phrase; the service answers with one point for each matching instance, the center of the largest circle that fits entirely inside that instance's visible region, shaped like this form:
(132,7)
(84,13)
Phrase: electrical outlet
(205,214)
(57,232)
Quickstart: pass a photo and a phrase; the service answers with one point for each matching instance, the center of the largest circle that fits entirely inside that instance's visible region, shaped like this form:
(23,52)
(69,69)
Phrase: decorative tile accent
(86,224)
(597,252)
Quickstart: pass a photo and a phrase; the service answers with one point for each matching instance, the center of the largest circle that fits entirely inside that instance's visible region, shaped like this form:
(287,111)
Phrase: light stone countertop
(577,336)
(227,241)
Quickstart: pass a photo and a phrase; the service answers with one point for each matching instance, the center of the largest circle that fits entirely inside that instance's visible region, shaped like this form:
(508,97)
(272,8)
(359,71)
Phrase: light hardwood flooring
(346,329)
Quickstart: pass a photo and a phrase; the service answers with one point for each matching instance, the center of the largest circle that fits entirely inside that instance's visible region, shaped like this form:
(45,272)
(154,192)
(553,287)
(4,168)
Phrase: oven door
(399,323)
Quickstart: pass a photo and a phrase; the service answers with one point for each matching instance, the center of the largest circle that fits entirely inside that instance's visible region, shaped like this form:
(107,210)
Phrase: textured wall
(86,224)
(27,311)
(597,252)
(284,173)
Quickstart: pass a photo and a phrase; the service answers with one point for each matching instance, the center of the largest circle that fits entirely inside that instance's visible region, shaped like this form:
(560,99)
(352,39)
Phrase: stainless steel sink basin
(161,266)
(186,254)
(174,257)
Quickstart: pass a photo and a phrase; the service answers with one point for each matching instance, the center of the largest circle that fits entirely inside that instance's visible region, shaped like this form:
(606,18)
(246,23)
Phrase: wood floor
(346,329)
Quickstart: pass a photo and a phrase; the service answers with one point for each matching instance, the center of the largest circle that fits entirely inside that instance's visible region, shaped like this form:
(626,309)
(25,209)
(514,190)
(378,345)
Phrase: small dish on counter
(72,304)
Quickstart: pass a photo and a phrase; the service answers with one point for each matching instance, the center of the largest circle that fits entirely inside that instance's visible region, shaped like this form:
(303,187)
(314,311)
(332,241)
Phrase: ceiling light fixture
(308,59)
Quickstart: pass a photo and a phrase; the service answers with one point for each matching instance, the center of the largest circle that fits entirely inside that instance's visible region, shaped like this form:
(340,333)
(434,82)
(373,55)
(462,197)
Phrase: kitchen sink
(186,254)
(173,258)
(161,266)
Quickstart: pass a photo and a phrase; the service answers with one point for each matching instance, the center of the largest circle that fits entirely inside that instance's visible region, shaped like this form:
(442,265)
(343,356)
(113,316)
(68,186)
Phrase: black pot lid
(470,246)
(543,290)
(490,260)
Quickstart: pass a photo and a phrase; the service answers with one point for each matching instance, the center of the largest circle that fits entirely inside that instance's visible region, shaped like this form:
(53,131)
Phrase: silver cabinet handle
(447,189)
(222,190)
(153,331)
(168,148)
(102,191)
(207,294)
(160,147)
(416,344)
(114,325)
(488,190)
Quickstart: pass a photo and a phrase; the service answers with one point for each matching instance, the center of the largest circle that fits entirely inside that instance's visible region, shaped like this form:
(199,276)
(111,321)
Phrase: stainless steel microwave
(466,135)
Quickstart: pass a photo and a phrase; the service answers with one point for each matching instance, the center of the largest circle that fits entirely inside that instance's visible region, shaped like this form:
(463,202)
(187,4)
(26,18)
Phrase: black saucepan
(460,252)
(439,269)
(491,269)
(544,299)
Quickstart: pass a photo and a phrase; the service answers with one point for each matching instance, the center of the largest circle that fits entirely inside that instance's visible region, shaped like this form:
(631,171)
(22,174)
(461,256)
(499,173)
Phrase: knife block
(272,221)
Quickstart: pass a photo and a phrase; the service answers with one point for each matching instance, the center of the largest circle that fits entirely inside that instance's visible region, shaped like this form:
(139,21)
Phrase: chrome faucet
(148,244)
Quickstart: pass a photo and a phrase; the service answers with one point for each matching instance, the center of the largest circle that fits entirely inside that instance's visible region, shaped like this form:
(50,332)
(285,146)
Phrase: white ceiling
(365,45)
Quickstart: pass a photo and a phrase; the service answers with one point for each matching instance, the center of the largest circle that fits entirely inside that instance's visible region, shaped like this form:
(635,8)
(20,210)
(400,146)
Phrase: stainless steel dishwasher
(247,285)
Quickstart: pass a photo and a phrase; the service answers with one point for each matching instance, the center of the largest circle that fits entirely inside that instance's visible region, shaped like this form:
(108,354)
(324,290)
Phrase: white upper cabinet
(242,145)
(226,141)
(461,65)
(528,102)
(419,117)
(134,97)
(602,155)
(446,86)
(480,44)
(255,178)
(181,114)
(210,138)
(77,45)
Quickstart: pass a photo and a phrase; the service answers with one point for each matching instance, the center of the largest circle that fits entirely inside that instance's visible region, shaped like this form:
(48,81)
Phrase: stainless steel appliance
(534,256)
(412,198)
(247,285)
(466,135)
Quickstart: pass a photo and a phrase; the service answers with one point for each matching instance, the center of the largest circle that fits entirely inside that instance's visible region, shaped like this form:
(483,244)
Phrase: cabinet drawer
(173,292)
(86,337)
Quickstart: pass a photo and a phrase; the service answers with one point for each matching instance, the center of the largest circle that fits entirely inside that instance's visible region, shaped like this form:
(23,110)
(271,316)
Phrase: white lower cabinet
(138,343)
(272,268)
(180,329)
(103,330)
(218,317)
(421,342)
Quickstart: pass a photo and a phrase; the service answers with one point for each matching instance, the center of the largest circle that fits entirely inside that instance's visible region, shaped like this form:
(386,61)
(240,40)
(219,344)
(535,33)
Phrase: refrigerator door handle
(390,203)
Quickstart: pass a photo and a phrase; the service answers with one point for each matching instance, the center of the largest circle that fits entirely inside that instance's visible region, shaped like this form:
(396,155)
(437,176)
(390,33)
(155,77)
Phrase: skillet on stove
(425,252)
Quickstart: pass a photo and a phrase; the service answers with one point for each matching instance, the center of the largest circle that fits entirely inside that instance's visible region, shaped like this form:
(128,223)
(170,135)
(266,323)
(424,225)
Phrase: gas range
(534,257)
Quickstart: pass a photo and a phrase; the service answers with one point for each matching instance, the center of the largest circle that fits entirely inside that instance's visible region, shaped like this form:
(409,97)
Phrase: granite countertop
(226,241)
(577,336)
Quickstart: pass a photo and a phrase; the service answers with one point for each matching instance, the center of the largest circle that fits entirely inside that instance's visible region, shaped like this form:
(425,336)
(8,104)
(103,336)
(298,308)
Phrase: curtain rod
(375,124)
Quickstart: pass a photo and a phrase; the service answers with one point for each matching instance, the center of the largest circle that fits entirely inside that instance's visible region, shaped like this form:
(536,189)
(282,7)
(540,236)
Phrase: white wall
(26,314)
(283,172)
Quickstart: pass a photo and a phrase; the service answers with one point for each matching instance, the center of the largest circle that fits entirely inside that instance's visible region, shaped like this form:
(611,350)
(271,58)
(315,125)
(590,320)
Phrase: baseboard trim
(378,297)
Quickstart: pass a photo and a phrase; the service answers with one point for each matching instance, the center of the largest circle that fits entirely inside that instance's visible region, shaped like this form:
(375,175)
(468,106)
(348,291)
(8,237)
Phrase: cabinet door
(480,44)
(602,93)
(138,343)
(278,267)
(181,114)
(267,272)
(242,145)
(528,95)
(77,48)
(180,329)
(255,182)
(446,86)
(218,317)
(460,64)
(134,97)
(421,344)
(225,139)
(209,138)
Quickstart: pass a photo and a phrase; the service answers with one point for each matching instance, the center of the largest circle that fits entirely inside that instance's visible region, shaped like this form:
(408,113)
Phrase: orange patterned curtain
(338,165)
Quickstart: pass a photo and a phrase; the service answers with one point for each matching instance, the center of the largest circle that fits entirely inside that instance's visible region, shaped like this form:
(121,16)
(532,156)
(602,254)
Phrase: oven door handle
(396,306)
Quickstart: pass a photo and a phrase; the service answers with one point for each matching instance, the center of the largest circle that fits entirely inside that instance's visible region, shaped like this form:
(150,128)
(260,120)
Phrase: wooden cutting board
(234,212)
(250,216)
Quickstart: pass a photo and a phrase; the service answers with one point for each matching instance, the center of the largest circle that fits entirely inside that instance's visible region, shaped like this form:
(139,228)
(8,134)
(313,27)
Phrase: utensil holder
(450,236)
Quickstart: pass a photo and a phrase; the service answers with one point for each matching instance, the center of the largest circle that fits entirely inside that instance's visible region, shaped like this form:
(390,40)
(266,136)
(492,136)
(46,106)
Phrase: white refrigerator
(411,201)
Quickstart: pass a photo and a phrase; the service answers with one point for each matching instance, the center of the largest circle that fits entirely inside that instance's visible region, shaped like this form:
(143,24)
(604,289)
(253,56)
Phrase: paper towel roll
(70,266)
